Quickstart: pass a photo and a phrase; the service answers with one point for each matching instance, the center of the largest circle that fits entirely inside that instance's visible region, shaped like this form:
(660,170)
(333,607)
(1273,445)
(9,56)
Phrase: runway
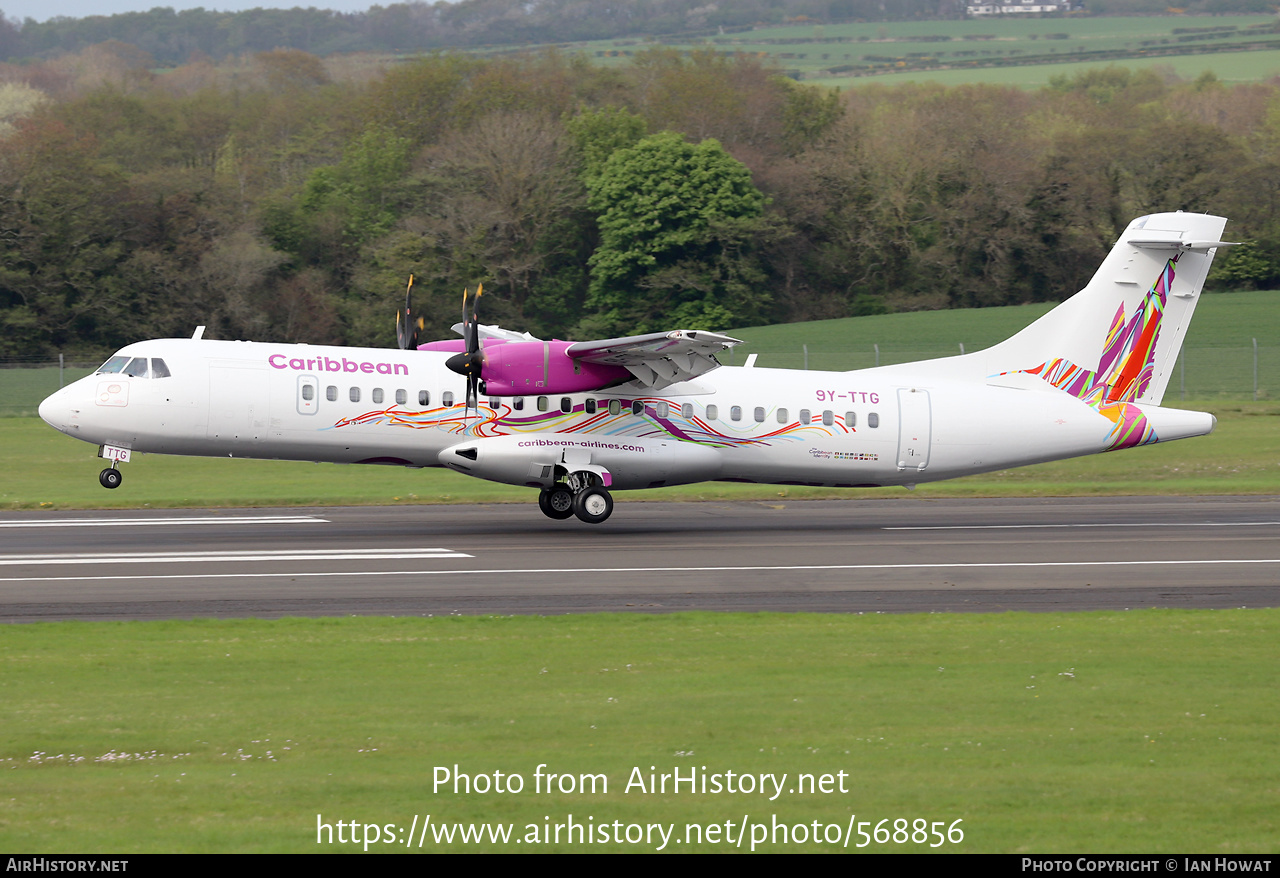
(907,555)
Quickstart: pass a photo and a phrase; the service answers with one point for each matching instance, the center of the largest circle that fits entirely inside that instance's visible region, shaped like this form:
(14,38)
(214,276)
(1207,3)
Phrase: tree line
(283,198)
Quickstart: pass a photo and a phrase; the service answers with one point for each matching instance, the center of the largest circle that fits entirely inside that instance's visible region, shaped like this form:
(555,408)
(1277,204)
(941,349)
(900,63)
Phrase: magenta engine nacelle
(527,368)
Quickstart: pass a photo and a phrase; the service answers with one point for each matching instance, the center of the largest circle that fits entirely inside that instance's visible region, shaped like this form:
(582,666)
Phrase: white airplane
(577,420)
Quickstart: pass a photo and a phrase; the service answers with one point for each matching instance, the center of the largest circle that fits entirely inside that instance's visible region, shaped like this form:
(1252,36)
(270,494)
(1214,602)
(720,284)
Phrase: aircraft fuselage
(894,425)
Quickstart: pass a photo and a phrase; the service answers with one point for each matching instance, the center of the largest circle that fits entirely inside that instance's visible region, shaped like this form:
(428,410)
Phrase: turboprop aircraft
(578,420)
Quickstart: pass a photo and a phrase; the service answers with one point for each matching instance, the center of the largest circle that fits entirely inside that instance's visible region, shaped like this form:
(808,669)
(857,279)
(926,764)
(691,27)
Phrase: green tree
(63,223)
(679,224)
(598,134)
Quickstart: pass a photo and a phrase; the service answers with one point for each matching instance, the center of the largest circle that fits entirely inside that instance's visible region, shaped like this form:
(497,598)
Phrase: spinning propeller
(470,363)
(407,328)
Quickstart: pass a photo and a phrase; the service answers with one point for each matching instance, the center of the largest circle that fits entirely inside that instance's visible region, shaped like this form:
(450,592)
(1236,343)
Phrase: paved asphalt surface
(905,555)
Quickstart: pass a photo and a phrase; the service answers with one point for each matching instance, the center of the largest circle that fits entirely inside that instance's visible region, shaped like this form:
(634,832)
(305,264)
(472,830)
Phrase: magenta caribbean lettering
(325,364)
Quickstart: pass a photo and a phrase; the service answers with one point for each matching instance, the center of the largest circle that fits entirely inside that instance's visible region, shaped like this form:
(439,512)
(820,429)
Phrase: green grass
(22,388)
(1221,320)
(1232,67)
(1021,46)
(1149,731)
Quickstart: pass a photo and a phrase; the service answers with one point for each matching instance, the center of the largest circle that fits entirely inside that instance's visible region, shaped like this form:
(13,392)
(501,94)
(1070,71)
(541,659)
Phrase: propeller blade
(470,363)
(406,327)
(474,349)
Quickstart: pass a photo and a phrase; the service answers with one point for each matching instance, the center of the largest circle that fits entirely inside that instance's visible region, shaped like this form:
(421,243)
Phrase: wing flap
(657,359)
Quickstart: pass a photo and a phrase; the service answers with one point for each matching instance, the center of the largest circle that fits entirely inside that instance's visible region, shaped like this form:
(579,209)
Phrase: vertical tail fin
(1117,339)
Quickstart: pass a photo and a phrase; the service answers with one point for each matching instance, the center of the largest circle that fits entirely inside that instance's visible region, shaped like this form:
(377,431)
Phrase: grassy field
(22,388)
(1010,49)
(1219,345)
(1229,67)
(1145,731)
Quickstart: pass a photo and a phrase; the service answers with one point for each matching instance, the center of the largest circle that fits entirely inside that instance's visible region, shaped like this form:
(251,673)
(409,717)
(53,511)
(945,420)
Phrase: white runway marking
(143,522)
(566,571)
(1091,524)
(215,557)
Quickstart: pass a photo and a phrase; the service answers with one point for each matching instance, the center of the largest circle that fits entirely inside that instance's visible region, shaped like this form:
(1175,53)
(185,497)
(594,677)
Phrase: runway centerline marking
(563,571)
(144,522)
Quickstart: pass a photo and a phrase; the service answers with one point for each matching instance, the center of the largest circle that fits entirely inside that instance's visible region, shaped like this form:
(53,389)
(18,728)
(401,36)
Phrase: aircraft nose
(53,411)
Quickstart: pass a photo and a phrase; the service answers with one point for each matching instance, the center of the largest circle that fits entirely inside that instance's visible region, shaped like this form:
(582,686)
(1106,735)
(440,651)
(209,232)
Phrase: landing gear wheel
(556,502)
(593,505)
(110,478)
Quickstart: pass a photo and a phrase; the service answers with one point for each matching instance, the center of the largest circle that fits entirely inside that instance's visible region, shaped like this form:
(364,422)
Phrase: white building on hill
(1022,6)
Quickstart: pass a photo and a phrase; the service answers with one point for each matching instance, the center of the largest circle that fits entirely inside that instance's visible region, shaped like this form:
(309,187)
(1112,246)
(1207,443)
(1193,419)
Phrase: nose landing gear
(110,477)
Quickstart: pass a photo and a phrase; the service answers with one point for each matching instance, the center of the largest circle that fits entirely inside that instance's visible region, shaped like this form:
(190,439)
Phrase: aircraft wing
(657,359)
(495,331)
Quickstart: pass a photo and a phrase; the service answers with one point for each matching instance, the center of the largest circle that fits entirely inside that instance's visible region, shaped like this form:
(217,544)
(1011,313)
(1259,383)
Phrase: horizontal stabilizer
(1160,241)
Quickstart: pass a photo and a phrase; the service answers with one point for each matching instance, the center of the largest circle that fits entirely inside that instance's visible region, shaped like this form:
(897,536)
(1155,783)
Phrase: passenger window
(759,414)
(424,397)
(873,420)
(446,398)
(590,406)
(159,369)
(543,404)
(615,406)
(735,413)
(661,410)
(782,416)
(804,416)
(137,368)
(331,393)
(686,410)
(713,412)
(566,404)
(308,392)
(402,396)
(113,365)
(637,408)
(828,418)
(518,405)
(377,395)
(354,394)
(851,419)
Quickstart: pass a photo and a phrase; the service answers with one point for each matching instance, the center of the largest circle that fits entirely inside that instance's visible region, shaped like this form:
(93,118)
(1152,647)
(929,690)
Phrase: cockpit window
(135,367)
(113,365)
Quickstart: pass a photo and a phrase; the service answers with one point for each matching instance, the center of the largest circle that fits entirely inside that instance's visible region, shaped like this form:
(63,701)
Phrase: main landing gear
(582,495)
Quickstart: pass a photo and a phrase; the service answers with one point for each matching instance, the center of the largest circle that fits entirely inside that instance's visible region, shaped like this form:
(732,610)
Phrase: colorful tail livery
(1147,288)
(579,420)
